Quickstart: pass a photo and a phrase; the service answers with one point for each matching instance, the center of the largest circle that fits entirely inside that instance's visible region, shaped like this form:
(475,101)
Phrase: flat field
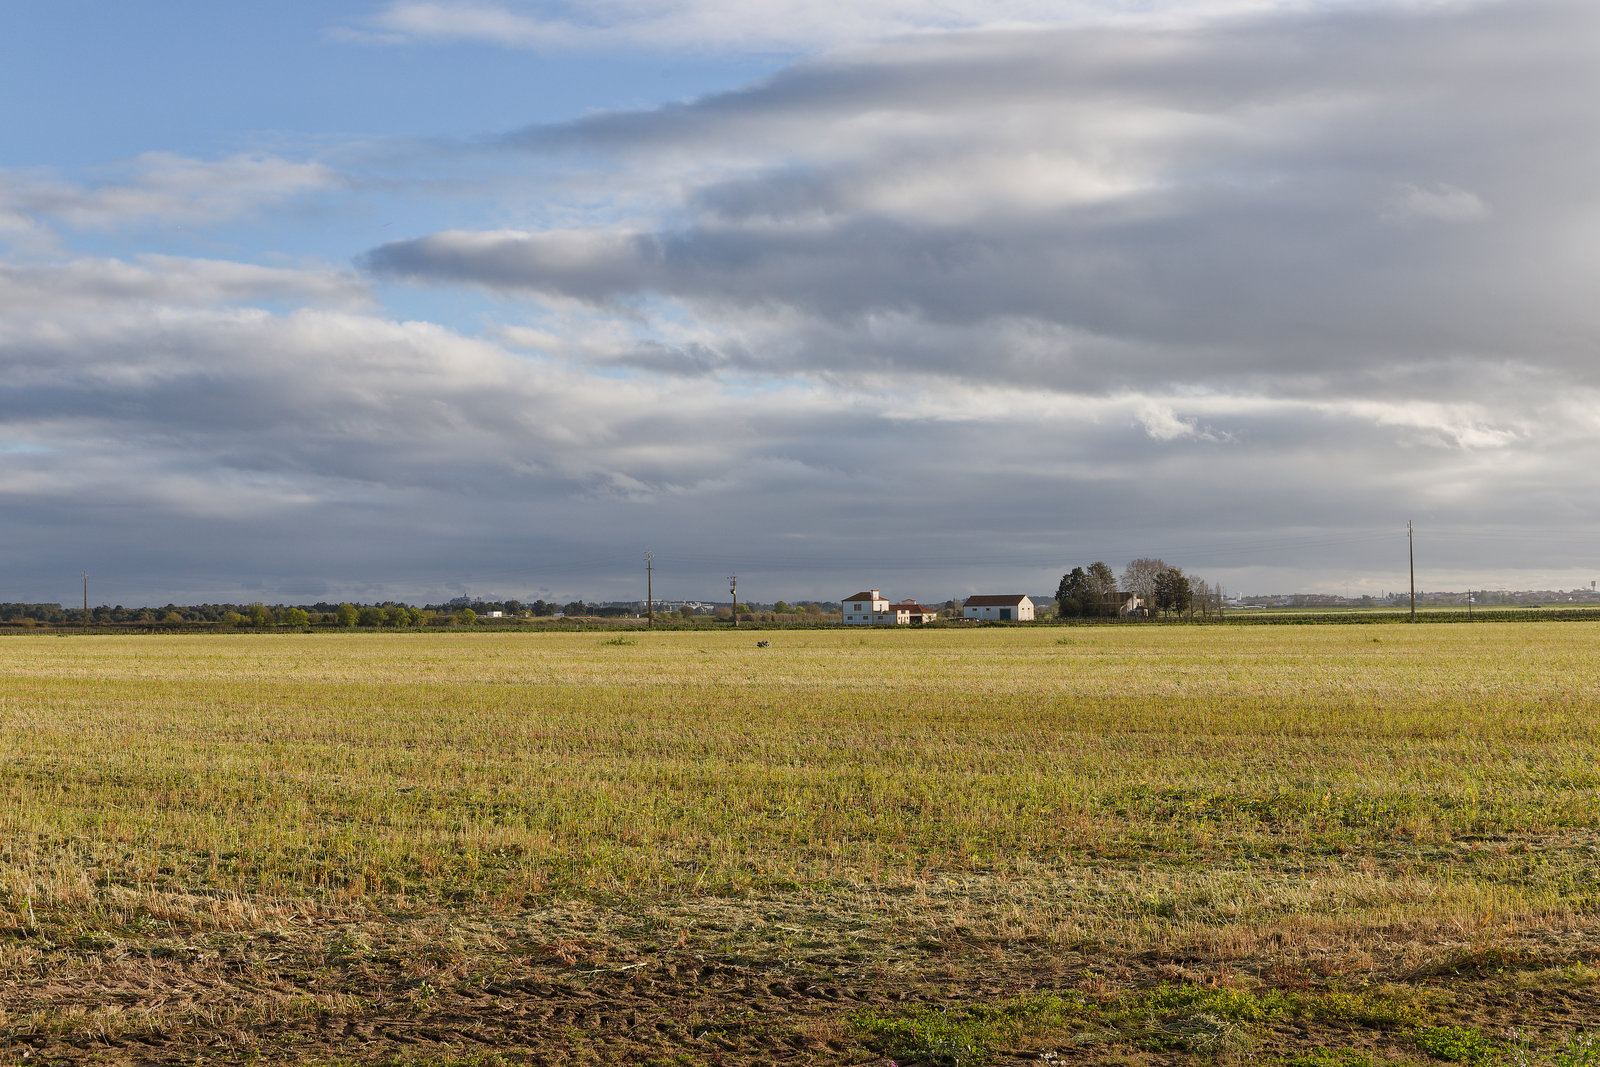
(1130,844)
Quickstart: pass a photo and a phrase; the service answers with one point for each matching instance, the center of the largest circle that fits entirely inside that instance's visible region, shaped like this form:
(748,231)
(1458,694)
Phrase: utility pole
(733,590)
(1411,550)
(86,598)
(649,588)
(1469,603)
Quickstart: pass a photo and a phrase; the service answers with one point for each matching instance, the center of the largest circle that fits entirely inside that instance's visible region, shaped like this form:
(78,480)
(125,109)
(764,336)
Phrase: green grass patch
(1383,1007)
(1456,1044)
(1322,1057)
(962,1036)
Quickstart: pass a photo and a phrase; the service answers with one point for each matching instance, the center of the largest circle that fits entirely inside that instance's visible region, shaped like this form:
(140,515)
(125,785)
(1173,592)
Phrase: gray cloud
(1312,200)
(386,458)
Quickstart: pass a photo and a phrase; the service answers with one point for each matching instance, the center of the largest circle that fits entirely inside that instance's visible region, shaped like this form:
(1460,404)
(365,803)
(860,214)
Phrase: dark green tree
(1173,593)
(1072,593)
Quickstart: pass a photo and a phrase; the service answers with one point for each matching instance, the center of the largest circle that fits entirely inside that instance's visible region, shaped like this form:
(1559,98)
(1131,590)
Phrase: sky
(394,299)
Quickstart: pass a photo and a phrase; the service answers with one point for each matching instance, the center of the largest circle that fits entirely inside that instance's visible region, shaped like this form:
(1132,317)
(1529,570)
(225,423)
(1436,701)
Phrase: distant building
(859,608)
(872,608)
(1001,607)
(909,612)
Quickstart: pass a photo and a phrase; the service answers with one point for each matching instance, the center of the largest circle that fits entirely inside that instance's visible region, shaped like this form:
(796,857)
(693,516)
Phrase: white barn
(1003,607)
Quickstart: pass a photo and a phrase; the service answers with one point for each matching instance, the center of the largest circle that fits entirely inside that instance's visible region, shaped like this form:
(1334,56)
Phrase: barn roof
(995,600)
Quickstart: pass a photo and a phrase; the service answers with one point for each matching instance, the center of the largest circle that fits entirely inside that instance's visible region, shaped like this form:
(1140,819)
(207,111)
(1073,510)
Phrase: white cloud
(1162,423)
(1441,202)
(1466,426)
(29,289)
(162,187)
(746,24)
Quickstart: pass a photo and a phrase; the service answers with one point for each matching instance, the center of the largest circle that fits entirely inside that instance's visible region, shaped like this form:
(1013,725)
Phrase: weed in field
(1455,1044)
(929,1035)
(1328,1058)
(1575,1050)
(1233,1005)
(1384,1007)
(960,1036)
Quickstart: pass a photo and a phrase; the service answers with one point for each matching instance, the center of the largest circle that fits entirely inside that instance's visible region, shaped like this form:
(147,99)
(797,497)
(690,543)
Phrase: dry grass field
(1319,846)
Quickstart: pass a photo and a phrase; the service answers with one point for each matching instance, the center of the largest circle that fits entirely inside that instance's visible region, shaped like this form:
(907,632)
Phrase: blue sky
(92,83)
(411,299)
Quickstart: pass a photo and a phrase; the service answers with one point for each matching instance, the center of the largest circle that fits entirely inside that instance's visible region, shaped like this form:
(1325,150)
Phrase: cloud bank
(962,308)
(1297,206)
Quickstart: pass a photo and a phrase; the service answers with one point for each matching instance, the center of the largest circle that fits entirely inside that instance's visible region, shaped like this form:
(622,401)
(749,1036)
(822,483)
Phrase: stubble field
(1317,846)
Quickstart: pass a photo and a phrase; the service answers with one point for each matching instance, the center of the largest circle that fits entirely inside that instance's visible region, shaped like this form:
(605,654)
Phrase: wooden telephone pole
(649,589)
(733,591)
(1411,550)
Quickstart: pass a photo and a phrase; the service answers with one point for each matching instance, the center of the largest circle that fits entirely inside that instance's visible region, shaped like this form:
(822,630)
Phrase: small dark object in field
(763,644)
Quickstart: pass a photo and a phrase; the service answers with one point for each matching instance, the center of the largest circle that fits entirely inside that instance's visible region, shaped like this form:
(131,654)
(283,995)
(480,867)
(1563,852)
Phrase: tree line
(1163,590)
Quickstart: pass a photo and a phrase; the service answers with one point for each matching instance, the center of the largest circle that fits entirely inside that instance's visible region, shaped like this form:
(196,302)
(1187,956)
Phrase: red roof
(865,596)
(1001,600)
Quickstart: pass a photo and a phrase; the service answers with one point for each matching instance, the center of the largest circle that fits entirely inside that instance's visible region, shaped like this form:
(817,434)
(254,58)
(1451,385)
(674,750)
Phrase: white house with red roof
(1000,607)
(872,608)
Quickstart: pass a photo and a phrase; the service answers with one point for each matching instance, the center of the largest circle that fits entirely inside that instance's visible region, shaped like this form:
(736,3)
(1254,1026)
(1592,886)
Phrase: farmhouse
(1004,607)
(872,608)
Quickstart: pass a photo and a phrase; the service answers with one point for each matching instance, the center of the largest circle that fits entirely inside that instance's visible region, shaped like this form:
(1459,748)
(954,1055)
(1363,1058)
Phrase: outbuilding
(998,607)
